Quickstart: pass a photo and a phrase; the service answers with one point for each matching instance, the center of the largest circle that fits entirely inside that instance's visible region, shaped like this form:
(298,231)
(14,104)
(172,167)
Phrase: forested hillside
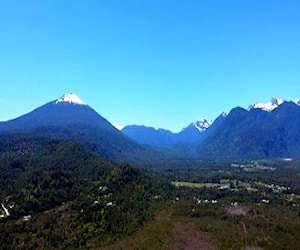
(55,193)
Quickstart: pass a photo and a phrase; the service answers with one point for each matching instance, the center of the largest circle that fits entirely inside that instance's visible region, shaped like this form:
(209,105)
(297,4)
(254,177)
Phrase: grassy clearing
(194,184)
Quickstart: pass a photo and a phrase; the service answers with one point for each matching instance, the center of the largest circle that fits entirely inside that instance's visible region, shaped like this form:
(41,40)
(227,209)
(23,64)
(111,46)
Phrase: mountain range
(161,138)
(264,130)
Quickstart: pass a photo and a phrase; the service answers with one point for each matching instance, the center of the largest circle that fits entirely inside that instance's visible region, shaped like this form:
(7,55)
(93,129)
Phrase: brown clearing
(183,235)
(186,236)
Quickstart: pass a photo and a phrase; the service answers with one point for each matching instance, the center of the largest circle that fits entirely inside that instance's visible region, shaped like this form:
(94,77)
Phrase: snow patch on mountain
(202,124)
(224,114)
(267,106)
(118,127)
(71,99)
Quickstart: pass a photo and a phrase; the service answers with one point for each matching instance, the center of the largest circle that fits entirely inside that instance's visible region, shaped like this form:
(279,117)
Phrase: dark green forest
(73,198)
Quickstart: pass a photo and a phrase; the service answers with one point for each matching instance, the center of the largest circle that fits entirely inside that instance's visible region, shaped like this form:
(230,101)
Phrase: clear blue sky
(162,63)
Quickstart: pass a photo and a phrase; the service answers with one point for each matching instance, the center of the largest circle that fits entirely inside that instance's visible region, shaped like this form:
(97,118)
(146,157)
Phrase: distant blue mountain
(161,138)
(69,118)
(62,112)
(150,136)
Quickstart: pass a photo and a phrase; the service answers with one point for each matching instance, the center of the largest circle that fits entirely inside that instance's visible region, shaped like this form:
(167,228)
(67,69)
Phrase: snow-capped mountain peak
(268,106)
(71,99)
(202,124)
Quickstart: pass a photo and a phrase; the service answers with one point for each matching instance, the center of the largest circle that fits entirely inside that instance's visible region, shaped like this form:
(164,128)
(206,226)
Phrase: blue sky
(162,63)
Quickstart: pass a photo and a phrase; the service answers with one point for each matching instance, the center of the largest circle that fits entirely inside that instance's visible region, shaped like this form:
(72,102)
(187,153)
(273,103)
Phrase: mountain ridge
(256,134)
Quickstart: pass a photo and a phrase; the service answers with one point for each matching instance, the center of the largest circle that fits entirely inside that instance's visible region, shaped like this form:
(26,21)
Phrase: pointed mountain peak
(268,106)
(297,101)
(71,99)
(201,125)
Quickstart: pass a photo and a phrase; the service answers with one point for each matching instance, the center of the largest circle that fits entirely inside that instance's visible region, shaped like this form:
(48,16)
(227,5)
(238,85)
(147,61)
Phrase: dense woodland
(74,197)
